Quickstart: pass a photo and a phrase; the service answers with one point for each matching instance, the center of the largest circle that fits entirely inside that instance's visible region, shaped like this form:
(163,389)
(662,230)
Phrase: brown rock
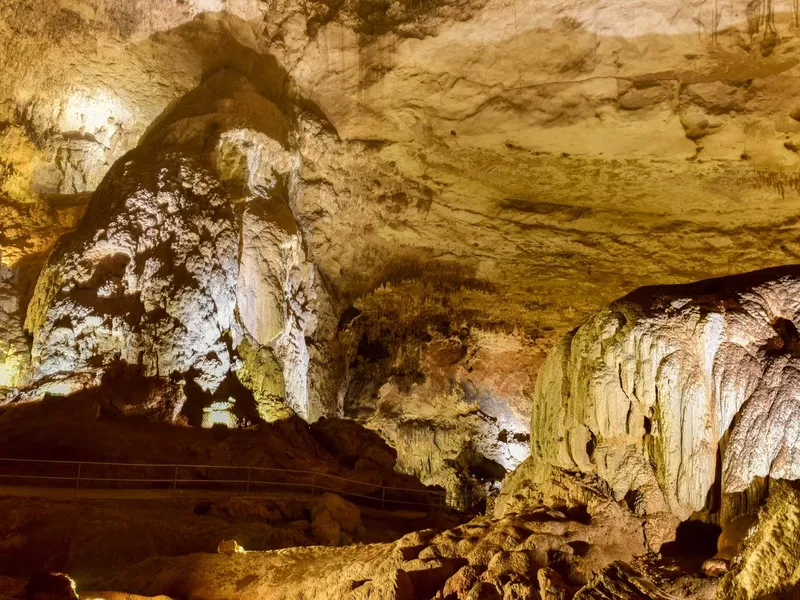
(325,529)
(513,565)
(229,547)
(346,514)
(618,581)
(121,596)
(551,586)
(461,582)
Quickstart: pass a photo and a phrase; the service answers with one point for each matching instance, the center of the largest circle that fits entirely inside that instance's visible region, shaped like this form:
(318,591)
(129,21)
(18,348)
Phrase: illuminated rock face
(14,352)
(677,394)
(542,157)
(189,265)
(148,278)
(457,412)
(544,154)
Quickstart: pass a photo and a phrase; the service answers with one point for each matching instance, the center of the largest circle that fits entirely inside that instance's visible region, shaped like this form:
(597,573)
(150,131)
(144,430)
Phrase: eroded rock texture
(768,565)
(681,398)
(188,265)
(553,155)
(148,279)
(14,346)
(484,558)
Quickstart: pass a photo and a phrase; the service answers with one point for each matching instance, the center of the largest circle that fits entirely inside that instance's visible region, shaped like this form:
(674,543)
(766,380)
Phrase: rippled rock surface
(682,398)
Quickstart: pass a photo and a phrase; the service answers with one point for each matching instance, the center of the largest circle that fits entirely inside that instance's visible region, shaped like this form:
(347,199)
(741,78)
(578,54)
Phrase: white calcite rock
(14,353)
(675,394)
(189,265)
(148,278)
(279,298)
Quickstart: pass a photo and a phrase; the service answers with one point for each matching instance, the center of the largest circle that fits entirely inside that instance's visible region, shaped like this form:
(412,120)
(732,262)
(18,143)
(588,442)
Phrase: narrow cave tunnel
(446,299)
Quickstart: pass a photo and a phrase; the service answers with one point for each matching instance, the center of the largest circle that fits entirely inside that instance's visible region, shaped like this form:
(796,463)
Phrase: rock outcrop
(459,417)
(541,159)
(681,398)
(148,279)
(545,155)
(188,267)
(485,558)
(14,350)
(768,564)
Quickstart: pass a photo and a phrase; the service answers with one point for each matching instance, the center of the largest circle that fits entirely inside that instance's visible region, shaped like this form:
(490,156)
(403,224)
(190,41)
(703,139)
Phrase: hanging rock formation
(681,398)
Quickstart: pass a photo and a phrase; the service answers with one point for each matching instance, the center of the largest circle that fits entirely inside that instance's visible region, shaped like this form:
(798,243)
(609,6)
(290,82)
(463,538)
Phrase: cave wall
(683,399)
(561,155)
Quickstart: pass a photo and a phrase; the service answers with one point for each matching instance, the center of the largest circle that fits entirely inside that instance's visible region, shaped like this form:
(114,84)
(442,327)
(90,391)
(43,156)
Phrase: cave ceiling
(563,151)
(552,155)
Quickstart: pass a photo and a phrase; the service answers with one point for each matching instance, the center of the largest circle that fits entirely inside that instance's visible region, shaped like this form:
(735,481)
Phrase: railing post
(248,480)
(383,498)
(78,480)
(175,479)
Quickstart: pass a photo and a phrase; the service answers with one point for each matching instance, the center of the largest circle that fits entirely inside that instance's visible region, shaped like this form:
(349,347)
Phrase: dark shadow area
(786,340)
(197,399)
(695,542)
(708,293)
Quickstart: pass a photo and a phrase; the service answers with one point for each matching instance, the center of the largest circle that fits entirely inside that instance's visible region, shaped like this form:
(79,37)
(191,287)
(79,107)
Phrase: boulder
(510,565)
(461,582)
(325,529)
(346,514)
(229,547)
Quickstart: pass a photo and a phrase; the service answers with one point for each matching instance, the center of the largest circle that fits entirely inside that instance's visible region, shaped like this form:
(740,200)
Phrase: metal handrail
(439,498)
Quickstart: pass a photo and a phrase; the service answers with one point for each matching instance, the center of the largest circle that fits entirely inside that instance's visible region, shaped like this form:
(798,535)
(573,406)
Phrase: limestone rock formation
(768,564)
(450,395)
(680,398)
(484,558)
(187,253)
(148,278)
(14,352)
(545,155)
(541,159)
(508,192)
